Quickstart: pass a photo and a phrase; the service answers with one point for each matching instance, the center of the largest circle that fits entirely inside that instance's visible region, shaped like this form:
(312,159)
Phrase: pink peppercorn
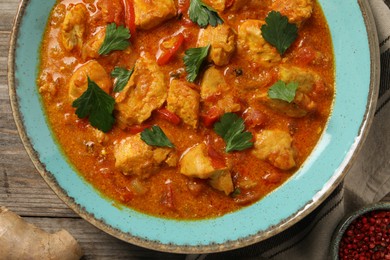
(367,237)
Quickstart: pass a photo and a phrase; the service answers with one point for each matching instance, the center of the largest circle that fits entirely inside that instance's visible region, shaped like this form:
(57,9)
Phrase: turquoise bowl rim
(347,220)
(357,65)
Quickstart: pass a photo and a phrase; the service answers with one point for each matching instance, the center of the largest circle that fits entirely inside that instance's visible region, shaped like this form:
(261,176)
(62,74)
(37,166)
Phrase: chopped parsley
(116,39)
(121,76)
(97,105)
(203,14)
(193,60)
(155,136)
(279,32)
(281,90)
(232,130)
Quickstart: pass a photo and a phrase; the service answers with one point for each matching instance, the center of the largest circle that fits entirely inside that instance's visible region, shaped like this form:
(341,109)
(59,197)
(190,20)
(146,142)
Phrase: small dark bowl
(348,220)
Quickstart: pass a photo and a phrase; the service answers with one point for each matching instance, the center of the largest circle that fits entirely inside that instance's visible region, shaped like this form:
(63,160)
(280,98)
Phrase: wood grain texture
(95,243)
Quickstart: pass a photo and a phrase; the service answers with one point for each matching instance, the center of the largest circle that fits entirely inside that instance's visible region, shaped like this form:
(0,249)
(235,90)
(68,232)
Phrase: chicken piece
(91,47)
(275,146)
(252,47)
(221,5)
(73,27)
(134,157)
(222,181)
(297,11)
(99,136)
(218,5)
(149,14)
(217,92)
(183,100)
(305,78)
(78,83)
(302,103)
(222,40)
(196,163)
(146,91)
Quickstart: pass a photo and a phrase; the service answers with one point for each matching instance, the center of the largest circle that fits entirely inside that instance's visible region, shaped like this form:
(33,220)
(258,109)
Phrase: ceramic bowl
(357,76)
(345,223)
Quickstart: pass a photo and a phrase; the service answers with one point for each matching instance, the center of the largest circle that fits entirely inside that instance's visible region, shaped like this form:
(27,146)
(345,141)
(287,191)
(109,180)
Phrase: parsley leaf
(97,105)
(281,90)
(122,76)
(193,60)
(155,137)
(279,32)
(203,14)
(231,128)
(116,39)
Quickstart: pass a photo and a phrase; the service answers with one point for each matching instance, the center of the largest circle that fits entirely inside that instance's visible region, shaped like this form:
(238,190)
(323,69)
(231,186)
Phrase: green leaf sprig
(193,60)
(279,32)
(97,105)
(231,128)
(281,90)
(121,76)
(155,136)
(116,39)
(203,14)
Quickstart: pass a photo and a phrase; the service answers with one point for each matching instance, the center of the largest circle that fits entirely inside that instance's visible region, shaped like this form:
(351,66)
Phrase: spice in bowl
(364,235)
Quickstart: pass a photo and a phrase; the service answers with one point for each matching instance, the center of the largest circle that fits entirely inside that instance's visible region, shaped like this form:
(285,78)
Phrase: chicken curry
(187,109)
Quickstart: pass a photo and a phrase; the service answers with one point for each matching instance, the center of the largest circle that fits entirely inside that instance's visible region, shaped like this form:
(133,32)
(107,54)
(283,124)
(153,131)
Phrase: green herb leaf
(154,136)
(281,90)
(231,128)
(116,39)
(236,192)
(97,105)
(203,14)
(122,76)
(279,32)
(193,60)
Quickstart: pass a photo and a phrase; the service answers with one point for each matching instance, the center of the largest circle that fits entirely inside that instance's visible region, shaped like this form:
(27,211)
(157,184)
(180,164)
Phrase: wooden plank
(22,189)
(97,244)
(8,11)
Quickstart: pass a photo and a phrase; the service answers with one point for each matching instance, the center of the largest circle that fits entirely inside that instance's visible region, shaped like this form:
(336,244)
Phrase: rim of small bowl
(346,222)
(229,245)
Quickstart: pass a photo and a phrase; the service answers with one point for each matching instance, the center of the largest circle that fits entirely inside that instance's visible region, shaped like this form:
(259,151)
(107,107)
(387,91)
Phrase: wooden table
(22,189)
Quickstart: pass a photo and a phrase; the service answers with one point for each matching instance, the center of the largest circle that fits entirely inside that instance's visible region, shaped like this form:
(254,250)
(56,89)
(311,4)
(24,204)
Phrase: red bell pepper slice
(168,115)
(212,116)
(168,48)
(217,160)
(135,129)
(130,17)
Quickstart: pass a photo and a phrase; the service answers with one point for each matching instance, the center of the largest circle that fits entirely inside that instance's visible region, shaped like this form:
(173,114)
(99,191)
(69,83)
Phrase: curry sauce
(197,177)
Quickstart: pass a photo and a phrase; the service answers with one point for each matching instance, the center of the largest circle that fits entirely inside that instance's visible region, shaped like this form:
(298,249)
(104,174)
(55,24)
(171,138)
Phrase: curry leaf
(193,60)
(155,136)
(279,32)
(121,76)
(203,14)
(116,39)
(281,90)
(232,130)
(97,105)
